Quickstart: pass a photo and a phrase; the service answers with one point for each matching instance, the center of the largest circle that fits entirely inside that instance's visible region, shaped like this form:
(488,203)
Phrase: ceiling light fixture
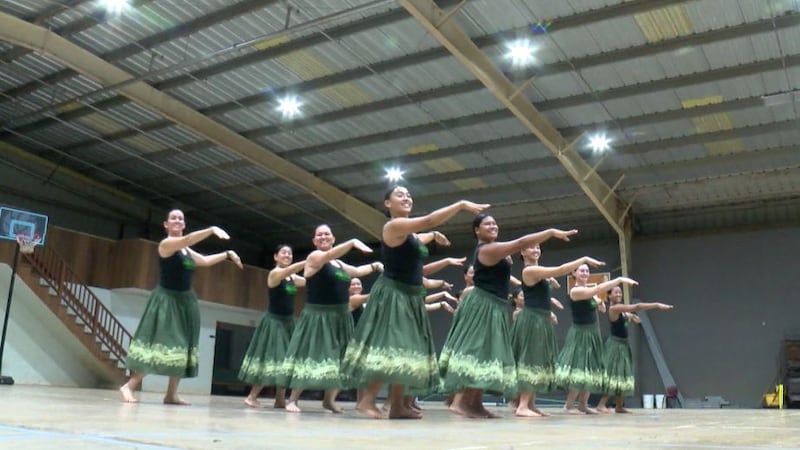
(394,174)
(289,107)
(115,7)
(599,143)
(520,52)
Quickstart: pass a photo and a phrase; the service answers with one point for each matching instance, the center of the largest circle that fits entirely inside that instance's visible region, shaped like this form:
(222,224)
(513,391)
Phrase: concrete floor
(65,418)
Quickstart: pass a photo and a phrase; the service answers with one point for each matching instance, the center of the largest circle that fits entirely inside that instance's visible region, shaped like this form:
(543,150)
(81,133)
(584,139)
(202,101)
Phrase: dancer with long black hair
(393,343)
(325,325)
(617,359)
(166,339)
(477,354)
(532,335)
(267,350)
(579,369)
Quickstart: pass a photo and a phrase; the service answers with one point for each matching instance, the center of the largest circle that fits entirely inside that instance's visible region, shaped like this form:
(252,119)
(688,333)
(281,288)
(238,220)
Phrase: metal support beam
(24,34)
(461,46)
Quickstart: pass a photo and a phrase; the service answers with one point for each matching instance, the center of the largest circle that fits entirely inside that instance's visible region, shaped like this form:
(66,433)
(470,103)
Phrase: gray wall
(733,306)
(734,303)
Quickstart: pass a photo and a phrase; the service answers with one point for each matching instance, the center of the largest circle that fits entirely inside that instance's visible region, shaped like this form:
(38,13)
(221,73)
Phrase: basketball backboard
(17,221)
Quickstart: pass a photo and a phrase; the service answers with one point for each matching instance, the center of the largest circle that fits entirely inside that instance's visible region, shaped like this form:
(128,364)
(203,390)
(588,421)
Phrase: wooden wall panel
(134,263)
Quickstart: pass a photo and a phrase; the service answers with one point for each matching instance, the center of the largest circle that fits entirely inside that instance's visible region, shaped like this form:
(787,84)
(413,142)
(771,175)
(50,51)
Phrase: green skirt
(267,350)
(317,347)
(533,341)
(618,362)
(477,353)
(165,342)
(580,363)
(393,341)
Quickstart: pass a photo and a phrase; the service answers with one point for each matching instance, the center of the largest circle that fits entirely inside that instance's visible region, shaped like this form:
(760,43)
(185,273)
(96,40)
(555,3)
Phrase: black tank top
(619,327)
(356,313)
(281,298)
(494,279)
(583,312)
(538,295)
(328,286)
(176,271)
(404,262)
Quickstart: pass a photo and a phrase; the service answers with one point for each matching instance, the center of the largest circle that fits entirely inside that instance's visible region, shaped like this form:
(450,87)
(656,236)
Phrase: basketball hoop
(26,245)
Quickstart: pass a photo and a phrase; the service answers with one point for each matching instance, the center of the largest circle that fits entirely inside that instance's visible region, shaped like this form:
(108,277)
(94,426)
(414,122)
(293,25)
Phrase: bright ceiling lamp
(394,174)
(289,107)
(599,142)
(520,52)
(115,7)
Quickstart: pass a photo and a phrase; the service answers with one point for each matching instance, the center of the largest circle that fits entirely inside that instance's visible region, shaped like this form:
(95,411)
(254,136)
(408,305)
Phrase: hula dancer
(532,336)
(580,364)
(618,379)
(318,343)
(357,300)
(267,350)
(165,342)
(394,342)
(477,354)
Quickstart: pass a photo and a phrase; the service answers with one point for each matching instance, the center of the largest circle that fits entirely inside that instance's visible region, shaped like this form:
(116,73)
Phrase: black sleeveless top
(176,271)
(583,312)
(356,313)
(404,262)
(619,327)
(538,295)
(329,286)
(494,279)
(281,298)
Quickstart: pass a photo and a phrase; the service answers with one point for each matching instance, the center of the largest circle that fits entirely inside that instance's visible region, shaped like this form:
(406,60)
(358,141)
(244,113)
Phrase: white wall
(41,350)
(128,305)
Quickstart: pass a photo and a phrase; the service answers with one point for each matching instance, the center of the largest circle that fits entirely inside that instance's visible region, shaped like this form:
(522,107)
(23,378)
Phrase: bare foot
(457,409)
(602,409)
(573,411)
(404,413)
(587,410)
(279,404)
(491,415)
(175,401)
(127,395)
(526,412)
(540,412)
(332,407)
(252,403)
(292,407)
(621,410)
(370,410)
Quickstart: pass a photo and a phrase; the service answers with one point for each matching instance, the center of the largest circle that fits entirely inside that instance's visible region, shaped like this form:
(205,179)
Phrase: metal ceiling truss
(762,26)
(361,72)
(499,114)
(24,34)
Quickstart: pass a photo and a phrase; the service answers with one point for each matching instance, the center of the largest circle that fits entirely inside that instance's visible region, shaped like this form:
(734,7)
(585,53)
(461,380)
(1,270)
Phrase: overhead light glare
(115,7)
(599,143)
(289,107)
(394,174)
(520,52)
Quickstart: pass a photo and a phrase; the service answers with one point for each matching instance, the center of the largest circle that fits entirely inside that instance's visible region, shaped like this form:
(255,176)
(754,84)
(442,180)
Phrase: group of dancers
(392,343)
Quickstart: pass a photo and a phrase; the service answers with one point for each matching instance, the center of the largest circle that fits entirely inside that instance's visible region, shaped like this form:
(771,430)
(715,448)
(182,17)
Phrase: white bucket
(661,401)
(647,401)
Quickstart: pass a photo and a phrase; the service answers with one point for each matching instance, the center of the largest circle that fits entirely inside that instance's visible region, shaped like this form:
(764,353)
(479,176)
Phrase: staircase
(48,275)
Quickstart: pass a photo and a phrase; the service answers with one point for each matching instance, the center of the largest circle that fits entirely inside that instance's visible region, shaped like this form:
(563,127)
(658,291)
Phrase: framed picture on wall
(594,280)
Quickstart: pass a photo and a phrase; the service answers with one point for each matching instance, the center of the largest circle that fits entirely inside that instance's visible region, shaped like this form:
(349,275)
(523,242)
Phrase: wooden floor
(64,418)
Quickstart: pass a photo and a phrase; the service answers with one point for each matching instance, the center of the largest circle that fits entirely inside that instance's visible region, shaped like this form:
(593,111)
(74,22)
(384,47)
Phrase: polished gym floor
(34,417)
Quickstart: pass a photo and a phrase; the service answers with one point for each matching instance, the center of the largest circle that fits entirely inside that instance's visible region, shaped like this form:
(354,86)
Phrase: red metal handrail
(81,300)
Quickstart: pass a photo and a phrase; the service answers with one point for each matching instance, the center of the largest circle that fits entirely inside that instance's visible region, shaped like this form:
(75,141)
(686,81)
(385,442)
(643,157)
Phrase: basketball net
(26,244)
